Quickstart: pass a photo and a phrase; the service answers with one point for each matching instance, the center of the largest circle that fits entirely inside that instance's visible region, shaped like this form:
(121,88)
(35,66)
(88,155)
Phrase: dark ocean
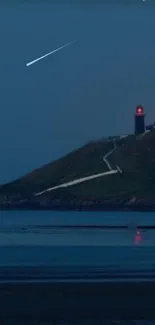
(27,218)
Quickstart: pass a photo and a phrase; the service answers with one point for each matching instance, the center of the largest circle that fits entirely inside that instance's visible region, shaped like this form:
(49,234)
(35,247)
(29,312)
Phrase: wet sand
(83,303)
(133,257)
(61,301)
(55,236)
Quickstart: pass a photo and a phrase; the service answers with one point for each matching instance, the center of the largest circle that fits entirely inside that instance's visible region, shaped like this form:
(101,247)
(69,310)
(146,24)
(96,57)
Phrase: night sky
(85,91)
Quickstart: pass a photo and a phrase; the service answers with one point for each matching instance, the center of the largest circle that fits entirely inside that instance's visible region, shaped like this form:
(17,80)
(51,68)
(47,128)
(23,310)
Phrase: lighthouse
(139,120)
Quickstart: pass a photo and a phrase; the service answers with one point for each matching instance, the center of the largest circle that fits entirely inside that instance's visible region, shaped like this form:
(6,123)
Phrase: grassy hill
(135,156)
(79,163)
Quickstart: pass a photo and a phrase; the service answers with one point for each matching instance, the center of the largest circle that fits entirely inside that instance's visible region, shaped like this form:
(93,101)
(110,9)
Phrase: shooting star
(44,56)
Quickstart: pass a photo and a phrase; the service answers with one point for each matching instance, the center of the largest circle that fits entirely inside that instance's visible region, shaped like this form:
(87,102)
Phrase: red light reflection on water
(138,237)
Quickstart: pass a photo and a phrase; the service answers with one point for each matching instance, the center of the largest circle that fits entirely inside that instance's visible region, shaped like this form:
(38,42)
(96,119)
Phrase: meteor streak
(44,56)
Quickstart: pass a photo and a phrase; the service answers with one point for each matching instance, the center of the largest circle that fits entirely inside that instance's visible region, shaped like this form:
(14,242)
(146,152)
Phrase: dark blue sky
(86,91)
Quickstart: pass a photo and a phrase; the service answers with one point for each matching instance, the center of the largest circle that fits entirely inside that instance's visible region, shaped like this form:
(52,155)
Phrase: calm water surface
(75,247)
(27,218)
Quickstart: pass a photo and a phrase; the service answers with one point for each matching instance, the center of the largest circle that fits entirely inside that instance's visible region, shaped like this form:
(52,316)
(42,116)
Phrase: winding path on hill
(84,179)
(108,154)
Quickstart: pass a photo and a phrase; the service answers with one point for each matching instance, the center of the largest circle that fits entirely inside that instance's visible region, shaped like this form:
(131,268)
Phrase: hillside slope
(81,162)
(133,182)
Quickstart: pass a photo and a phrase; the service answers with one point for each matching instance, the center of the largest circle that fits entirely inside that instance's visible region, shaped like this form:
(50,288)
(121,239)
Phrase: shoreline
(28,206)
(36,228)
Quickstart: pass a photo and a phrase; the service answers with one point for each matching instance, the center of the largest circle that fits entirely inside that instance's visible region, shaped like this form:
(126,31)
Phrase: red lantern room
(139,110)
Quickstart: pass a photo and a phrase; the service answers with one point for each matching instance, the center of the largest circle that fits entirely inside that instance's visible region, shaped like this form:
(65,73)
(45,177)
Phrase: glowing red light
(139,110)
